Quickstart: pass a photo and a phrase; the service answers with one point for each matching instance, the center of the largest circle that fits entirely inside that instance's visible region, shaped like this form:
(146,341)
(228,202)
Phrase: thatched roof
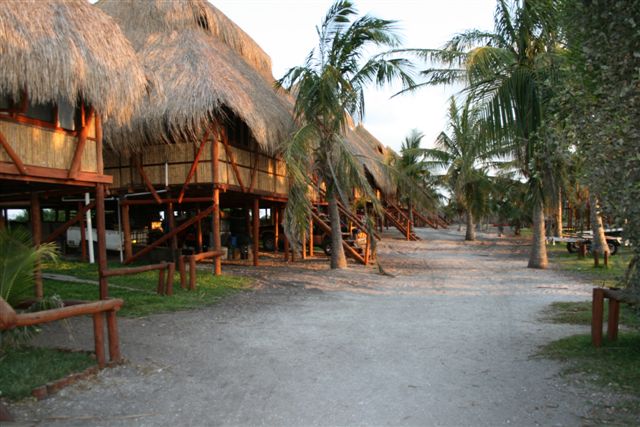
(203,63)
(373,156)
(65,49)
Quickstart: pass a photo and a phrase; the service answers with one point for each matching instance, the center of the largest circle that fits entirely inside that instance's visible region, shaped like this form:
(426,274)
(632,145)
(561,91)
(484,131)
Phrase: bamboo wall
(39,146)
(269,175)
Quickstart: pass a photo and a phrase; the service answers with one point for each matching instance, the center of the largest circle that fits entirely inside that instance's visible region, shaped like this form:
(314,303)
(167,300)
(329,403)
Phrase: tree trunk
(538,256)
(558,216)
(338,259)
(599,242)
(471,230)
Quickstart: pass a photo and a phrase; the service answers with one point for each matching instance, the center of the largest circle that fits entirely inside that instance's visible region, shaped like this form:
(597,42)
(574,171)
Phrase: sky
(286,31)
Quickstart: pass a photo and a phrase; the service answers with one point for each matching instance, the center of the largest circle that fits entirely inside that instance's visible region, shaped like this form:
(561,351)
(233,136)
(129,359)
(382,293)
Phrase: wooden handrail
(163,288)
(46,316)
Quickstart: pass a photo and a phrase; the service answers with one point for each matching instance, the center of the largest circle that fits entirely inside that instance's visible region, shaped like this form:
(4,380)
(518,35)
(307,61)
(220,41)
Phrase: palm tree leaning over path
(328,88)
(503,71)
(461,154)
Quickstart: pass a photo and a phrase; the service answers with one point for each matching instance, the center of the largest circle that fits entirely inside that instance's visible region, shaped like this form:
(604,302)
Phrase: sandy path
(448,341)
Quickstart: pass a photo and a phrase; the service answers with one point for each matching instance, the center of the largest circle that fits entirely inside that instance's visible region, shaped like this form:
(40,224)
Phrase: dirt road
(448,341)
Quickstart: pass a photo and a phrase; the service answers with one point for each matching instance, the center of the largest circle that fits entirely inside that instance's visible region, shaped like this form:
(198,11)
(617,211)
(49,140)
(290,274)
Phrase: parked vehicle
(613,237)
(113,238)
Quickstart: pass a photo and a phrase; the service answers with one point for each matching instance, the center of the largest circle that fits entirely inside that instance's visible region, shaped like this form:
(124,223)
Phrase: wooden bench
(9,319)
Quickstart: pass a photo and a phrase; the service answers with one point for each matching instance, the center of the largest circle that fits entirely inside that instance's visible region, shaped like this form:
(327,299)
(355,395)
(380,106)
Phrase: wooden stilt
(172,224)
(126,230)
(606,259)
(596,258)
(36,230)
(199,233)
(215,221)
(2,220)
(168,290)
(303,252)
(102,243)
(310,237)
(276,229)
(83,235)
(256,230)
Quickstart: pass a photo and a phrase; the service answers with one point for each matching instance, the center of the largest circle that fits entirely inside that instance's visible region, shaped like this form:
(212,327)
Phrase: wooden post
(83,235)
(606,259)
(192,273)
(215,226)
(160,287)
(583,250)
(596,258)
(114,340)
(310,237)
(168,290)
(276,230)
(98,336)
(303,253)
(172,224)
(199,233)
(256,230)
(2,220)
(126,230)
(597,309)
(614,317)
(102,243)
(181,269)
(408,229)
(36,230)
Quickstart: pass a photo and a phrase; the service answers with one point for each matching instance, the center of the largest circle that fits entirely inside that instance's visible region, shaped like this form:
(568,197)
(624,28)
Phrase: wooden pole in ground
(36,231)
(199,232)
(215,226)
(596,258)
(98,336)
(606,259)
(310,236)
(614,317)
(102,241)
(597,309)
(276,231)
(114,340)
(126,230)
(583,250)
(172,224)
(303,253)
(2,220)
(83,235)
(256,230)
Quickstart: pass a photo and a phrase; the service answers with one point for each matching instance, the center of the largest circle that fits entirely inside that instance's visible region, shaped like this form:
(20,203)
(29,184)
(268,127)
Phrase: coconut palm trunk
(338,258)
(538,255)
(471,230)
(599,242)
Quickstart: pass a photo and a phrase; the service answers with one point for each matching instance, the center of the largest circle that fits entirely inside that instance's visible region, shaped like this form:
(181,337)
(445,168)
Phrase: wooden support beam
(169,235)
(276,230)
(98,337)
(17,162)
(3,219)
(232,159)
(256,230)
(614,317)
(194,166)
(147,182)
(114,339)
(102,242)
(254,172)
(126,230)
(61,229)
(36,232)
(82,141)
(215,220)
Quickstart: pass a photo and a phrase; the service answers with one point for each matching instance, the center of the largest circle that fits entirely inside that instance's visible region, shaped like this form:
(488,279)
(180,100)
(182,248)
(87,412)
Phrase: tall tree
(502,70)
(328,88)
(411,167)
(461,153)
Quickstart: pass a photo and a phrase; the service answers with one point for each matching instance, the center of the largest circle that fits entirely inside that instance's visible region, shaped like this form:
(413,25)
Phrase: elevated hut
(209,134)
(66,69)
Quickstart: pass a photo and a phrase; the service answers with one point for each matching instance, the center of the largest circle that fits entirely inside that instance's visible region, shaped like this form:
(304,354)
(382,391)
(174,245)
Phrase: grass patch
(24,369)
(608,277)
(579,313)
(139,290)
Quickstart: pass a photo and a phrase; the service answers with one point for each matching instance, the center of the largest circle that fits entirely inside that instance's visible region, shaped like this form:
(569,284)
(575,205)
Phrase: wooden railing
(164,288)
(9,319)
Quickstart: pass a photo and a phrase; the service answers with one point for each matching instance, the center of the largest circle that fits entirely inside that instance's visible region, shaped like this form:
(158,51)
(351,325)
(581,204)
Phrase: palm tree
(503,71)
(462,154)
(411,167)
(328,89)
